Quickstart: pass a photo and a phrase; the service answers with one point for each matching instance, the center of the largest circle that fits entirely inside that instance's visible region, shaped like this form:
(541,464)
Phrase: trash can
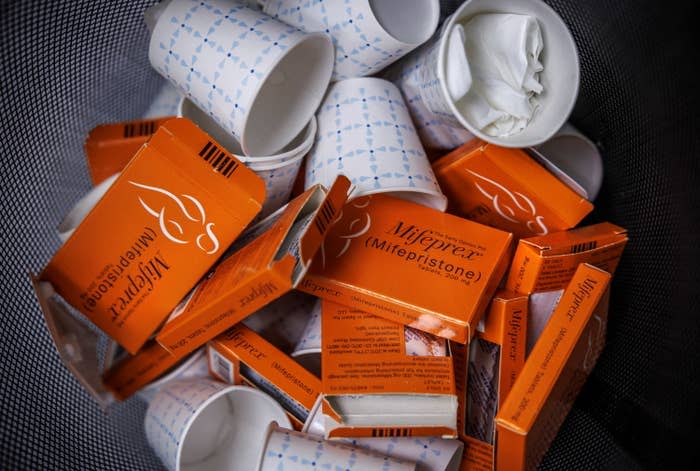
(66,67)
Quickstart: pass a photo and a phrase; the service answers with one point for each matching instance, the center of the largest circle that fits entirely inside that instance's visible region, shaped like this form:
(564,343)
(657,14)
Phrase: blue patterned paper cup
(416,76)
(429,453)
(365,133)
(279,181)
(368,34)
(259,78)
(204,424)
(286,450)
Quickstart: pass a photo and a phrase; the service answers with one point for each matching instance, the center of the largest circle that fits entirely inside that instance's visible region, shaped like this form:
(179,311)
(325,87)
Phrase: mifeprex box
(508,189)
(554,372)
(162,224)
(410,264)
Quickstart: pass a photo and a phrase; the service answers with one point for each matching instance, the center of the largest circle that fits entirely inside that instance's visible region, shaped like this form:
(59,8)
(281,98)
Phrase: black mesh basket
(67,66)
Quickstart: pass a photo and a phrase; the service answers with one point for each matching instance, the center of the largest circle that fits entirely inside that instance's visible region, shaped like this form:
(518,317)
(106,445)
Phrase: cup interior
(407,21)
(229,431)
(577,157)
(560,77)
(289,96)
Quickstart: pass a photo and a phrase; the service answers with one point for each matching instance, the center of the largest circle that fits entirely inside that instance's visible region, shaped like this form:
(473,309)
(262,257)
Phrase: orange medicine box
(554,372)
(496,356)
(257,274)
(110,147)
(547,263)
(373,387)
(161,225)
(507,189)
(411,264)
(241,354)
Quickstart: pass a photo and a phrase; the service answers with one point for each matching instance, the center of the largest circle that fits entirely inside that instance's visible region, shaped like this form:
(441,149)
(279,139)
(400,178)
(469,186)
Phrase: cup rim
(506,141)
(306,351)
(277,165)
(303,38)
(271,427)
(433,26)
(437,196)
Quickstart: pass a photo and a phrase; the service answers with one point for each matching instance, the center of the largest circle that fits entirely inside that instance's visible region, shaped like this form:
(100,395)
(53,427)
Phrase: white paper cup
(295,451)
(300,145)
(193,367)
(429,453)
(436,130)
(259,78)
(81,209)
(368,34)
(365,133)
(575,156)
(206,425)
(560,77)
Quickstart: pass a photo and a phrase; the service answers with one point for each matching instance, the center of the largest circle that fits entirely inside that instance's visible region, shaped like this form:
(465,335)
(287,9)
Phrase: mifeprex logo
(181,220)
(516,208)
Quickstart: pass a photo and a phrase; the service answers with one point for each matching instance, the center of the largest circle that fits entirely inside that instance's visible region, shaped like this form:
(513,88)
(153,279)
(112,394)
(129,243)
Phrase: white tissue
(459,77)
(501,54)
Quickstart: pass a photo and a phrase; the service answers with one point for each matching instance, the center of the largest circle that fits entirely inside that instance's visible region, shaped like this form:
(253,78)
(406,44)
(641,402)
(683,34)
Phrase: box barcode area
(139,129)
(219,160)
(584,247)
(391,432)
(325,217)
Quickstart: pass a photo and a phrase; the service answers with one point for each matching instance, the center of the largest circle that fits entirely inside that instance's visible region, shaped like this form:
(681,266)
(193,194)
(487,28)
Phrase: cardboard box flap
(394,410)
(583,296)
(577,240)
(376,374)
(110,147)
(324,218)
(76,342)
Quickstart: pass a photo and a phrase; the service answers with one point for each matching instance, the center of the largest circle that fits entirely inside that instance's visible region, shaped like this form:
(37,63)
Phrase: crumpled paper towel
(492,71)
